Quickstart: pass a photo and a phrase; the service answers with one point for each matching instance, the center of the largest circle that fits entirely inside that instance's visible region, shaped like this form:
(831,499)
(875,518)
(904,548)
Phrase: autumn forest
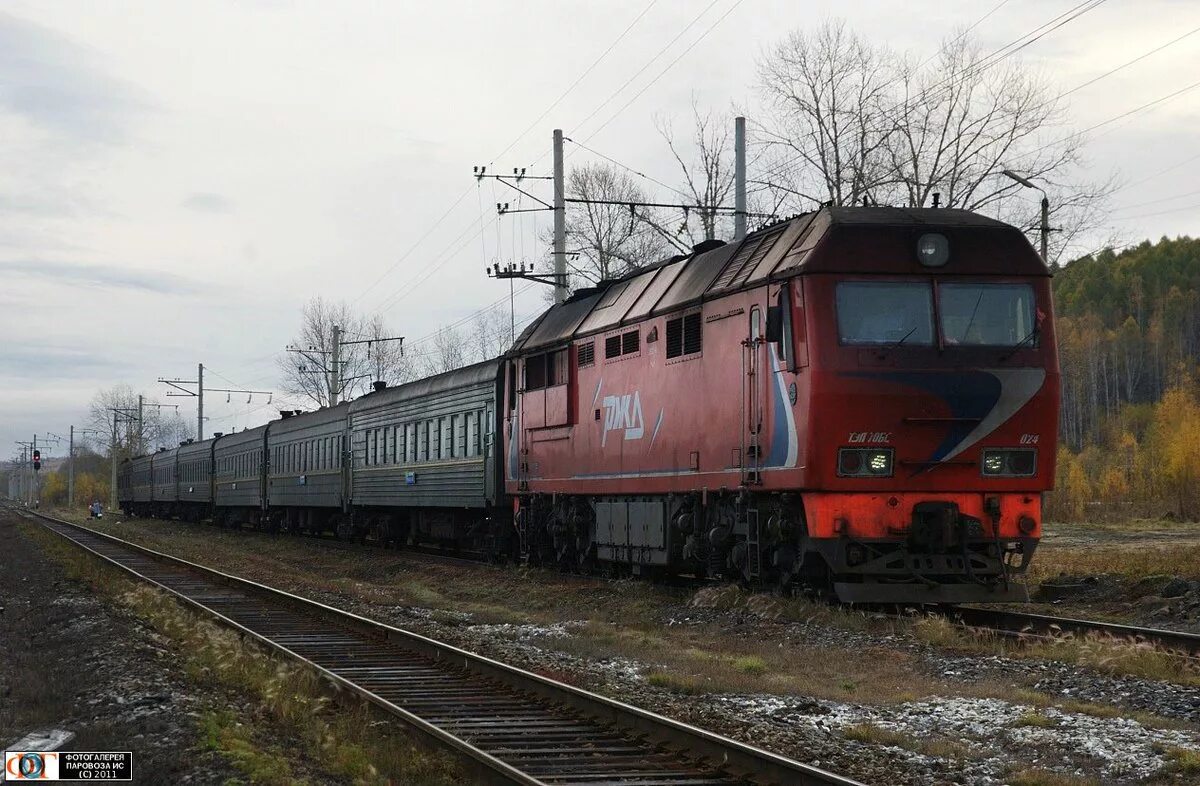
(1129,348)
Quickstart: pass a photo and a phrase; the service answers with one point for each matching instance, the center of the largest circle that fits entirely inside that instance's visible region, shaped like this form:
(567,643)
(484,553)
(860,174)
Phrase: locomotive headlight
(865,462)
(1009,462)
(933,250)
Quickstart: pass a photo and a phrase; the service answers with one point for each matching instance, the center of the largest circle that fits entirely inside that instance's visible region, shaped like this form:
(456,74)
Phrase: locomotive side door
(488,444)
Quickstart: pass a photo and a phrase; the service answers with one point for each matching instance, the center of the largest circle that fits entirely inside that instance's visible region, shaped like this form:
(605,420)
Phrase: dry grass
(938,747)
(1037,777)
(872,734)
(1117,559)
(1044,701)
(1183,761)
(290,701)
(699,659)
(1037,720)
(1104,653)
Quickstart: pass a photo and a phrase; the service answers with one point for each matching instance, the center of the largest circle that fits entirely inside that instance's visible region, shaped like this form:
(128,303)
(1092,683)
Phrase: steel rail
(515,726)
(1010,622)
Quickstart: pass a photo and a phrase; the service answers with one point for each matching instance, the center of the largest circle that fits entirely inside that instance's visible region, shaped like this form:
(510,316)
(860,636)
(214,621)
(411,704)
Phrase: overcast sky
(179,178)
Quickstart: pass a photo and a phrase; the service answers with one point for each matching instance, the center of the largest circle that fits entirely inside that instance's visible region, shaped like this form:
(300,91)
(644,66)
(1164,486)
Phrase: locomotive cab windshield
(936,312)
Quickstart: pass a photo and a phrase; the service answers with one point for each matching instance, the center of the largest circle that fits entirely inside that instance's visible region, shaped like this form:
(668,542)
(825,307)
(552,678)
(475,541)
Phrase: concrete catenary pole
(71,468)
(200,403)
(141,433)
(560,221)
(1045,229)
(335,384)
(739,178)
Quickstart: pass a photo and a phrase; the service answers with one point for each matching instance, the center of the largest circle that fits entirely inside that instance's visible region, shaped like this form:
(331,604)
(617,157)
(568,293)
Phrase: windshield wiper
(903,338)
(1032,334)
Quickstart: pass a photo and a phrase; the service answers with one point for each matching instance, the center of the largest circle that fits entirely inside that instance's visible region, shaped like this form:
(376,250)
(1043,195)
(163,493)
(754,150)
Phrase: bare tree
(826,95)
(707,168)
(492,333)
(446,352)
(848,122)
(611,239)
(307,369)
(963,120)
(158,427)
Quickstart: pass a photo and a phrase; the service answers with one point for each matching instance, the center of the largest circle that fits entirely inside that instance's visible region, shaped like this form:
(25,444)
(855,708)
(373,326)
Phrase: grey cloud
(103,275)
(56,362)
(208,203)
(60,85)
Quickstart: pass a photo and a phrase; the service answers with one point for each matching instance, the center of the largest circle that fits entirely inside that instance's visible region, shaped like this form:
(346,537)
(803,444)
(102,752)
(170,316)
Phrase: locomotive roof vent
(379,385)
(933,249)
(218,434)
(285,413)
(707,245)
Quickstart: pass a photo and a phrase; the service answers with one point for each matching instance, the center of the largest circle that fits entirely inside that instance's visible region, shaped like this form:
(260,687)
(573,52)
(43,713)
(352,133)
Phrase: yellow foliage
(1177,434)
(54,489)
(1113,486)
(1074,490)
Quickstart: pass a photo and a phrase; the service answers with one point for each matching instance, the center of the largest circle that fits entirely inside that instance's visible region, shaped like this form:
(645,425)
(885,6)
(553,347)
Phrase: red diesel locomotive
(860,401)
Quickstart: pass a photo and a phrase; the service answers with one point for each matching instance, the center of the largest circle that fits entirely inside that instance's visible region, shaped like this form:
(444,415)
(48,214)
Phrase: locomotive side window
(787,349)
(546,370)
(992,315)
(892,312)
(535,372)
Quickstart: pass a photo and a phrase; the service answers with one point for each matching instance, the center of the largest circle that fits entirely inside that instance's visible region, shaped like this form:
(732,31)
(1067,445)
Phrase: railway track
(511,725)
(1021,623)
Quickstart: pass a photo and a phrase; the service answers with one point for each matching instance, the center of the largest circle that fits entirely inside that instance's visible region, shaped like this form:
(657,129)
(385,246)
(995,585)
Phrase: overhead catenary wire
(663,73)
(1158,212)
(967,32)
(1161,172)
(507,148)
(581,77)
(1160,200)
(1129,113)
(629,168)
(645,66)
(1126,64)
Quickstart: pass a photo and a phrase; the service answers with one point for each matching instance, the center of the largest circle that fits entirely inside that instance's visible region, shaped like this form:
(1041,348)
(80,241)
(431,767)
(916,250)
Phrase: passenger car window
(979,314)
(885,312)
